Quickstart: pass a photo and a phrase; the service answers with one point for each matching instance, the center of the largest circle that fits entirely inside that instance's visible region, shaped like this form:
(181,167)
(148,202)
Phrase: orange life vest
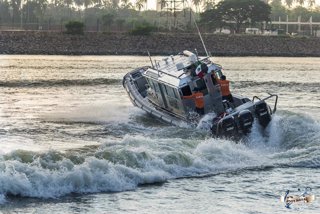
(224,85)
(198,99)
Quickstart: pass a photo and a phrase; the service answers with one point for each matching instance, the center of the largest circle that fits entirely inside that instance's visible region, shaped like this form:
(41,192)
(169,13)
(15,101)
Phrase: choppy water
(72,142)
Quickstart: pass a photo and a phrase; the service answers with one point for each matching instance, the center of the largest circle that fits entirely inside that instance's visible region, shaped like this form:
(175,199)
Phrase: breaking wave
(2,199)
(120,164)
(116,166)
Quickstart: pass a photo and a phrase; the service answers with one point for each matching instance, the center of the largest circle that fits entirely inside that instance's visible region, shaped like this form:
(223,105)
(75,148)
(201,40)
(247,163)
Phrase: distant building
(253,31)
(222,31)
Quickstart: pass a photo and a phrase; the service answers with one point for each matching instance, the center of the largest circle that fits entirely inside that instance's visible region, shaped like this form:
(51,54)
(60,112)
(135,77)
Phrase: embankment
(30,42)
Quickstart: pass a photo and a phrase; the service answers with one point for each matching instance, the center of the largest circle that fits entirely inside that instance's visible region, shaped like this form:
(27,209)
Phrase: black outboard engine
(263,114)
(227,126)
(215,123)
(245,119)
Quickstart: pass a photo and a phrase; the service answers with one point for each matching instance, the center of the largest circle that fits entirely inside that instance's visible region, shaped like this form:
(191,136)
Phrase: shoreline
(98,43)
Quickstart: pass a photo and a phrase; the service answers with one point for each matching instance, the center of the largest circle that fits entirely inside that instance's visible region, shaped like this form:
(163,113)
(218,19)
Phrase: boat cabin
(171,78)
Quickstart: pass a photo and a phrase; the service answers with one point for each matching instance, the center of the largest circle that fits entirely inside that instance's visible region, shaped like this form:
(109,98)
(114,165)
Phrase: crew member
(225,91)
(197,95)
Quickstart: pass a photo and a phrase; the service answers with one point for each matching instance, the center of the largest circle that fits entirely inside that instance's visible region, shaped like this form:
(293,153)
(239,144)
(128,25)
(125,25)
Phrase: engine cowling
(263,114)
(245,119)
(227,126)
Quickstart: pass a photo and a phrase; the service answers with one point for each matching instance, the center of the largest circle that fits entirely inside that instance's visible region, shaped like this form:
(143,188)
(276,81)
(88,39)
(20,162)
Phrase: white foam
(99,113)
(2,199)
(93,175)
(274,132)
(225,154)
(12,143)
(206,122)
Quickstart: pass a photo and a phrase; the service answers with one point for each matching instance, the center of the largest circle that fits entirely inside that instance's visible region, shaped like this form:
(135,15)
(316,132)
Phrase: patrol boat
(160,89)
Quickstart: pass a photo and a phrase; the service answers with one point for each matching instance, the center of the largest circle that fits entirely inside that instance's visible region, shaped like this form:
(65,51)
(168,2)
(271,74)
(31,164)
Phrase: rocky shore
(57,43)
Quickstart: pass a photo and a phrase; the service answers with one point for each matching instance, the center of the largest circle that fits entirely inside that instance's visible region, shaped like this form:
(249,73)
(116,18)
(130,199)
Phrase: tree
(120,23)
(289,3)
(258,11)
(40,9)
(74,27)
(126,4)
(197,4)
(212,19)
(162,3)
(139,4)
(303,12)
(312,2)
(107,21)
(143,28)
(15,4)
(79,3)
(278,10)
(4,12)
(68,3)
(97,3)
(316,14)
(114,4)
(240,11)
(209,4)
(87,3)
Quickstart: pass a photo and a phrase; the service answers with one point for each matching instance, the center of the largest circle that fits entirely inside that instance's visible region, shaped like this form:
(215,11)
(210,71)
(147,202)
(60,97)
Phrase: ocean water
(72,142)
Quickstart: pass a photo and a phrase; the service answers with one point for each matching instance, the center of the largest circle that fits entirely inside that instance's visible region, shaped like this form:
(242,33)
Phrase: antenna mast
(204,46)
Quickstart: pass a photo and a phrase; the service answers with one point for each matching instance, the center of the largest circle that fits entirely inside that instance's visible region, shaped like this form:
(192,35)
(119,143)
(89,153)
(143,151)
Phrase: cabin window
(201,84)
(214,81)
(171,92)
(165,90)
(149,84)
(156,86)
(218,73)
(136,75)
(175,91)
(186,91)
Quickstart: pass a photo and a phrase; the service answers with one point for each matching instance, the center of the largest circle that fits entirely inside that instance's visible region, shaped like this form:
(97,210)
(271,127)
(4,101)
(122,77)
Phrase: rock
(93,43)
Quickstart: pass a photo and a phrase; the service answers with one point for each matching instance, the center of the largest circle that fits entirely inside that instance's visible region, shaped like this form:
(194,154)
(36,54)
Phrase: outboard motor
(227,126)
(245,119)
(215,123)
(263,114)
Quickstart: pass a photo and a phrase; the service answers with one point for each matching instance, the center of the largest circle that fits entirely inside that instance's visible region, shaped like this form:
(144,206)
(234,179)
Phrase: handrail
(275,103)
(166,73)
(255,97)
(270,95)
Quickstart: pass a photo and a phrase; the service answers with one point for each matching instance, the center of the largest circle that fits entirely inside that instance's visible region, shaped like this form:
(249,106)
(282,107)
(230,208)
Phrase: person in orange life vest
(197,95)
(225,91)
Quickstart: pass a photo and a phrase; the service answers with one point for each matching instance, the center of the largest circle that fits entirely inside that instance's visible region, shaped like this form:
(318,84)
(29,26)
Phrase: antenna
(195,23)
(150,58)
(196,51)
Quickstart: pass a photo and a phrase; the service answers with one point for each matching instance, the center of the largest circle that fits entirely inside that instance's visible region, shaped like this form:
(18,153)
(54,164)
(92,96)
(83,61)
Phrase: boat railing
(170,67)
(264,99)
(166,73)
